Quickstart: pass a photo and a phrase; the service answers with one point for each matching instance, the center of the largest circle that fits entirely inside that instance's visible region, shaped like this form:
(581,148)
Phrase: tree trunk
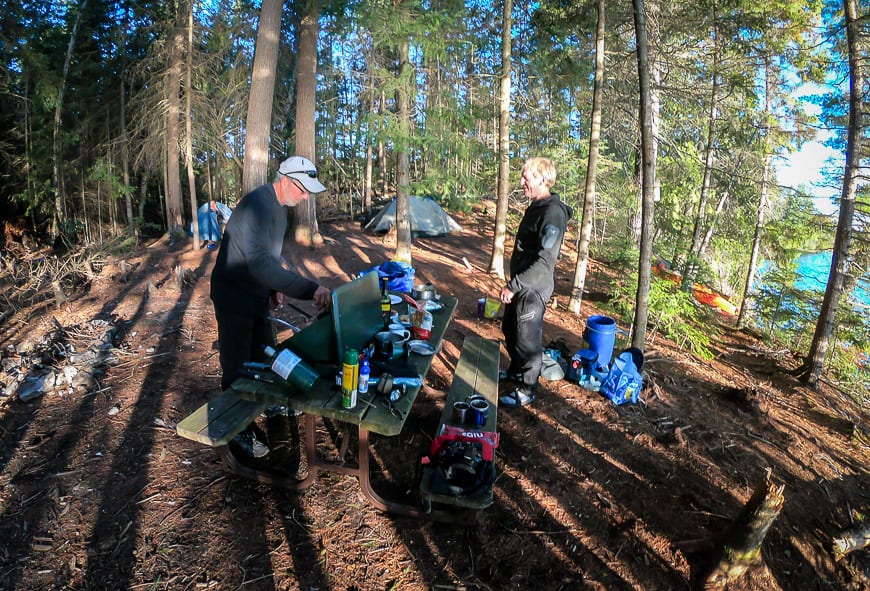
(367,182)
(708,235)
(188,131)
(307,231)
(811,370)
(258,121)
(175,219)
(648,160)
(762,200)
(496,262)
(382,153)
(591,170)
(690,269)
(125,146)
(403,214)
(57,169)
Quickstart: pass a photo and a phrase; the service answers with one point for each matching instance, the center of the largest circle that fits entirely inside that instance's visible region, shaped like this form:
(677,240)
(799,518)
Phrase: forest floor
(97,491)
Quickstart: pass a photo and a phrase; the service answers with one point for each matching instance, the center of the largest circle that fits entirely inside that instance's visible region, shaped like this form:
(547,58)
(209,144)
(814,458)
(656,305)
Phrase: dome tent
(427,218)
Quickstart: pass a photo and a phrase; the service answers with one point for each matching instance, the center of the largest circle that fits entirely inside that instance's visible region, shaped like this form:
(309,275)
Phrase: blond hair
(543,167)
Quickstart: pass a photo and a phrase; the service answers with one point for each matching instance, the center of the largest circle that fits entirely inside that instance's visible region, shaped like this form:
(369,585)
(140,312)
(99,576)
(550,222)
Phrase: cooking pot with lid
(424,292)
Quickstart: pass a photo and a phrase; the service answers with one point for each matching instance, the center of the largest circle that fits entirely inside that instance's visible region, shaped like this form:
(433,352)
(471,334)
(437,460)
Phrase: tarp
(207,218)
(427,218)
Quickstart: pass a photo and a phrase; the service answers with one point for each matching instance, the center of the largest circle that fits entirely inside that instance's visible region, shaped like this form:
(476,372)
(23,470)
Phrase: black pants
(523,328)
(241,339)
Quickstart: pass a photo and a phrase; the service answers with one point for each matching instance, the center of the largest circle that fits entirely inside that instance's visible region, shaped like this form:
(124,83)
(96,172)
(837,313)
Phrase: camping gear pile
(594,368)
(462,461)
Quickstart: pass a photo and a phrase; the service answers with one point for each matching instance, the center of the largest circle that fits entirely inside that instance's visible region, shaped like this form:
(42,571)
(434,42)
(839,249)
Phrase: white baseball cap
(304,171)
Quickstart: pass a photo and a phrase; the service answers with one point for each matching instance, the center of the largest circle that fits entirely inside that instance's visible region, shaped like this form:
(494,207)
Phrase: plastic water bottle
(364,372)
(291,368)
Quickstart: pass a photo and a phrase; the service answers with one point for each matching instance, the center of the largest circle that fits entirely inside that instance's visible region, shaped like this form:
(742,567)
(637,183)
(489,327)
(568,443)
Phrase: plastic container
(582,365)
(349,379)
(291,368)
(600,336)
(364,373)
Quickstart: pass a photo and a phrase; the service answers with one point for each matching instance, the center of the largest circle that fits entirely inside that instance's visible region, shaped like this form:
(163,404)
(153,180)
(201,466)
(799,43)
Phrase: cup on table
(388,345)
(399,329)
(478,410)
(460,412)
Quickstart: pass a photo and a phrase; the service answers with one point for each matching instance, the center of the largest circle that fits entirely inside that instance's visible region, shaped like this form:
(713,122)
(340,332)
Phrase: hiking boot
(280,410)
(504,376)
(249,444)
(519,397)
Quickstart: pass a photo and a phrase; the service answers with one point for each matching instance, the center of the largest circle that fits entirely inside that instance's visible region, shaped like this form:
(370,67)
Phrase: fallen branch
(852,539)
(741,548)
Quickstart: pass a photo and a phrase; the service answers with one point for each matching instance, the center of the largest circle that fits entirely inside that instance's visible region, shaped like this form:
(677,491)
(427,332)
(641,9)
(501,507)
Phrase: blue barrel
(600,335)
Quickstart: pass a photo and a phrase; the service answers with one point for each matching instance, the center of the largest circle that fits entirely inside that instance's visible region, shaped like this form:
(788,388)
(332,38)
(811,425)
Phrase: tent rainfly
(427,218)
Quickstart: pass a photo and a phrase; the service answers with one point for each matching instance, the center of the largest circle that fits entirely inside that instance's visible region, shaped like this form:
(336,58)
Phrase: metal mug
(400,330)
(478,411)
(388,345)
(460,412)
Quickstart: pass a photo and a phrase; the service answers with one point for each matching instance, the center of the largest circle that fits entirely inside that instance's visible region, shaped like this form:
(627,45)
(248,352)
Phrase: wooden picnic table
(248,397)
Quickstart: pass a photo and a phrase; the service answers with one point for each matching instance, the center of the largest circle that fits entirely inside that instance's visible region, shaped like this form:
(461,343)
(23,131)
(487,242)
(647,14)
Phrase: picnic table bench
(476,373)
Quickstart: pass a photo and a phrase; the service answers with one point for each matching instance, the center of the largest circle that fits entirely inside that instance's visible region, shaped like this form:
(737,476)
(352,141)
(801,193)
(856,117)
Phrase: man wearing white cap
(250,276)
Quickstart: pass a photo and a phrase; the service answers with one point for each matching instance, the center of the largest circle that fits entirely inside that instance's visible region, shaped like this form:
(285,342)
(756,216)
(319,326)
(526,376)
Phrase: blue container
(582,365)
(600,336)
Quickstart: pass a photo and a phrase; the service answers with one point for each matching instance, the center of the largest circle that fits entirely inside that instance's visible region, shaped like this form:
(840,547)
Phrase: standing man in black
(250,276)
(536,249)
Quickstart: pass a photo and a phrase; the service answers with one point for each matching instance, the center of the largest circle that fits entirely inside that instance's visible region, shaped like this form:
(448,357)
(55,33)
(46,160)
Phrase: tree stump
(741,548)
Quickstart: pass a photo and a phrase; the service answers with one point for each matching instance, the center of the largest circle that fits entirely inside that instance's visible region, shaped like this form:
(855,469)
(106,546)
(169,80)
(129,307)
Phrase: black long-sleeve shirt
(249,265)
(536,249)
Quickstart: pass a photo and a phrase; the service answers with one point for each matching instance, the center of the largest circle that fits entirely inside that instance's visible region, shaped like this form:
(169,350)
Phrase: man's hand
(276,300)
(506,295)
(322,297)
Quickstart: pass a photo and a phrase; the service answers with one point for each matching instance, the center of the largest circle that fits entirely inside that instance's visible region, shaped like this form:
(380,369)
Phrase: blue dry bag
(401,275)
(624,382)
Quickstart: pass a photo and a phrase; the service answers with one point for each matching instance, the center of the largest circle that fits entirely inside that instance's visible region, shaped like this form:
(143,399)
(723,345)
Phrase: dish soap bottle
(291,368)
(364,372)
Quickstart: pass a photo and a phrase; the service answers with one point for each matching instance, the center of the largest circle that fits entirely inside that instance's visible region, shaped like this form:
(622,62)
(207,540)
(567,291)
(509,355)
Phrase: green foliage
(672,312)
(788,316)
(849,355)
(785,313)
(620,252)
(120,246)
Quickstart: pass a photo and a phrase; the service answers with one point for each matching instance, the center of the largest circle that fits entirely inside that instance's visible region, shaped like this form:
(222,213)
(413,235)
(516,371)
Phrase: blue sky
(804,168)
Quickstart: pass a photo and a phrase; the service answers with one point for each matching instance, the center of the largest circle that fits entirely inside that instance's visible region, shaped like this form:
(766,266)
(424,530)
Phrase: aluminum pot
(424,292)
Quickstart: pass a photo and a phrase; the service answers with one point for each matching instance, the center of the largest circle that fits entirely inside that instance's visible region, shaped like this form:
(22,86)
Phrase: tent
(427,218)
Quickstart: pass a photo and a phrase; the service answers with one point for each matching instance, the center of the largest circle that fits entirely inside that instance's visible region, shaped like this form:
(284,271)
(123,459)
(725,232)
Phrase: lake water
(813,270)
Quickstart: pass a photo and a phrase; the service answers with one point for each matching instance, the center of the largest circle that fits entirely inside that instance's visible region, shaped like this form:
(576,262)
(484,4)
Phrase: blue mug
(478,411)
